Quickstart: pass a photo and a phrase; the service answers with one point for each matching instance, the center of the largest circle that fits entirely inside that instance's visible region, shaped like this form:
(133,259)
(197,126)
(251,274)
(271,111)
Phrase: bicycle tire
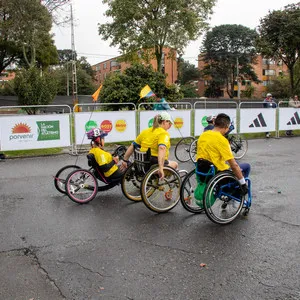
(61,176)
(239,147)
(182,149)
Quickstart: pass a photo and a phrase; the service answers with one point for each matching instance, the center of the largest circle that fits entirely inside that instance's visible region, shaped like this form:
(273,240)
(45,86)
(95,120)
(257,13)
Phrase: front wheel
(193,151)
(61,176)
(182,149)
(81,186)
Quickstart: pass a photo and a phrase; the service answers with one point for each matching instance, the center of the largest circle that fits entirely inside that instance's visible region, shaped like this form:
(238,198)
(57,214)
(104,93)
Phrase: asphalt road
(111,248)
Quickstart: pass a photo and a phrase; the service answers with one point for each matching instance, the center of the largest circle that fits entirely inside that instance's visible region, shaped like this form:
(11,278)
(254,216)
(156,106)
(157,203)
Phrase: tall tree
(144,24)
(279,38)
(57,9)
(187,71)
(228,51)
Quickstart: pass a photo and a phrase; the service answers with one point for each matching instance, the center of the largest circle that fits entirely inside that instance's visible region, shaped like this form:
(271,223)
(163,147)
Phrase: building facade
(169,65)
(265,69)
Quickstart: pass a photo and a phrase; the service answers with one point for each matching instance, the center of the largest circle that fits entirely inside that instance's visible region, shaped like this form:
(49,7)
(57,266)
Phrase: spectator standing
(269,103)
(161,104)
(293,102)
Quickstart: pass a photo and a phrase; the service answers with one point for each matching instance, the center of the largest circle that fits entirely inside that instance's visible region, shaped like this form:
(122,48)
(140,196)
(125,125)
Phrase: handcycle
(81,185)
(218,194)
(141,182)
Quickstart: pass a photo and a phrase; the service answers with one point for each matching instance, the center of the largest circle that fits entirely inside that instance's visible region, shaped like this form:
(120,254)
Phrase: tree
(33,88)
(24,34)
(143,24)
(57,9)
(279,38)
(125,87)
(228,50)
(187,72)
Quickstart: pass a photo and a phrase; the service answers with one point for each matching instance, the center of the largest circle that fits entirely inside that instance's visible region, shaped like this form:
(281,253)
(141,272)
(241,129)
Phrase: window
(269,72)
(104,66)
(268,61)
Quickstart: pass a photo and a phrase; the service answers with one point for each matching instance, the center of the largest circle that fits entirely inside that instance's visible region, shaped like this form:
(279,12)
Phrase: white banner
(34,132)
(289,118)
(181,120)
(120,125)
(202,114)
(257,120)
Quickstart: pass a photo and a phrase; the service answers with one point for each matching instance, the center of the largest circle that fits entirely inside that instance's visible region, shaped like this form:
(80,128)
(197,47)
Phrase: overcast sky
(88,13)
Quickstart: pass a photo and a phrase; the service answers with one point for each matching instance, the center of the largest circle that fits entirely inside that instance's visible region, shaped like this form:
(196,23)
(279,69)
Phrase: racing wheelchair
(141,182)
(218,194)
(81,185)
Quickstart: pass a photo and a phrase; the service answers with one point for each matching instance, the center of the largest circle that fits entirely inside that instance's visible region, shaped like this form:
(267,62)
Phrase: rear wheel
(239,146)
(131,184)
(161,195)
(223,201)
(61,175)
(193,151)
(187,191)
(182,149)
(81,186)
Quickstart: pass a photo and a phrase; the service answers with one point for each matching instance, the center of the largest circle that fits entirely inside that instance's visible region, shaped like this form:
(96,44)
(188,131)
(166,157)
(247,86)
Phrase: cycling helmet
(210,119)
(95,133)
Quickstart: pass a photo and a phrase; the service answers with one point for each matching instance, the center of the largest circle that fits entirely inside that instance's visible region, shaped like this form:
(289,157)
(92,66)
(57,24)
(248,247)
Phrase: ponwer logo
(21,128)
(178,122)
(120,125)
(21,131)
(106,126)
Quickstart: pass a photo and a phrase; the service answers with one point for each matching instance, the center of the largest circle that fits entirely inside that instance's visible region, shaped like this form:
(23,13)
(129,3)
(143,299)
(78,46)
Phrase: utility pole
(237,78)
(74,74)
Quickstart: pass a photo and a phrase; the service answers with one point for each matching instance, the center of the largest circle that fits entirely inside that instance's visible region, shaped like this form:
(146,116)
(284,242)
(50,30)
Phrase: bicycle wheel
(61,175)
(131,184)
(193,151)
(161,195)
(182,149)
(222,199)
(187,190)
(238,146)
(81,186)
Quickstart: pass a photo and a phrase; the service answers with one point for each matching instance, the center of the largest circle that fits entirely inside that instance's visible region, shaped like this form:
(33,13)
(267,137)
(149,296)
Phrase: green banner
(48,130)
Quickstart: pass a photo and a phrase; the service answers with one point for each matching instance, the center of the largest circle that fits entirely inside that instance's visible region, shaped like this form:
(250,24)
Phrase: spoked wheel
(61,176)
(222,198)
(131,184)
(182,149)
(193,151)
(238,146)
(81,186)
(187,191)
(161,195)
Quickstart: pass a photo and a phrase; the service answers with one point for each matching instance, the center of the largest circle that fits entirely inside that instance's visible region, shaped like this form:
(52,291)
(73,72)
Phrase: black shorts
(116,175)
(154,161)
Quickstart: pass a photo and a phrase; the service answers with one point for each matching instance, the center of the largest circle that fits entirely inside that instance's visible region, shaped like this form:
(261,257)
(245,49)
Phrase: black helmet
(210,119)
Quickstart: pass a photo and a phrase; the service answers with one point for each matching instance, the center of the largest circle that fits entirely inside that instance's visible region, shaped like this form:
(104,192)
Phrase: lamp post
(238,78)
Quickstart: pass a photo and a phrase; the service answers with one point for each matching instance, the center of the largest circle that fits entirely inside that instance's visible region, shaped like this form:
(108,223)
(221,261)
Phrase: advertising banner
(289,118)
(120,125)
(202,114)
(181,120)
(257,120)
(34,132)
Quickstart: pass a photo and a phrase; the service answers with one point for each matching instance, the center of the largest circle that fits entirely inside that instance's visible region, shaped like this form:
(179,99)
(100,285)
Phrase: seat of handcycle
(142,160)
(99,170)
(205,170)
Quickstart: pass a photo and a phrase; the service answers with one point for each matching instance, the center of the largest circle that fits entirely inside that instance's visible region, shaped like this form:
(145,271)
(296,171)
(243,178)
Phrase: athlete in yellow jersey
(157,139)
(212,146)
(106,162)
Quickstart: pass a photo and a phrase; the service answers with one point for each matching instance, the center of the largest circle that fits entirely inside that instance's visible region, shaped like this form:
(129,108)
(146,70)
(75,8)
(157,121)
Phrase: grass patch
(33,152)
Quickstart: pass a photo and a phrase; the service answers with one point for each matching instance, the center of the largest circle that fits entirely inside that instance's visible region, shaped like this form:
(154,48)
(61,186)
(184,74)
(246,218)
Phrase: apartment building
(266,70)
(169,65)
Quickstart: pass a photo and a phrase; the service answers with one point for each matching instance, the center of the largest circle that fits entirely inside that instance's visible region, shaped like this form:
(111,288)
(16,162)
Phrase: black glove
(244,189)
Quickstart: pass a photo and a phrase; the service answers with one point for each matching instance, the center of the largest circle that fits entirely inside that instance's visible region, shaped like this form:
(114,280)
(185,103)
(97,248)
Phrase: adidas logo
(258,122)
(295,120)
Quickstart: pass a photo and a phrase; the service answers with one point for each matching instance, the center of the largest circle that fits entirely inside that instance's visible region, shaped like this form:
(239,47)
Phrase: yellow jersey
(213,146)
(102,158)
(152,138)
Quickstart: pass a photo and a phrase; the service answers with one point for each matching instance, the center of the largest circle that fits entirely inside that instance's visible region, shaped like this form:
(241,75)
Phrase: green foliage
(126,87)
(280,87)
(248,92)
(189,91)
(34,88)
(226,47)
(141,24)
(279,38)
(187,72)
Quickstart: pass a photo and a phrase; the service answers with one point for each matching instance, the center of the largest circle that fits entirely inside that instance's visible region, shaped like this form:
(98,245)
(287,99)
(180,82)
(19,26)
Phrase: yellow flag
(96,94)
(146,92)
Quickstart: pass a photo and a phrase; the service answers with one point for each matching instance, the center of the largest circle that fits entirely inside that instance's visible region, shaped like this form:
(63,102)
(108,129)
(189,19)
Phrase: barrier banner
(257,120)
(34,132)
(289,118)
(202,114)
(181,120)
(120,125)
